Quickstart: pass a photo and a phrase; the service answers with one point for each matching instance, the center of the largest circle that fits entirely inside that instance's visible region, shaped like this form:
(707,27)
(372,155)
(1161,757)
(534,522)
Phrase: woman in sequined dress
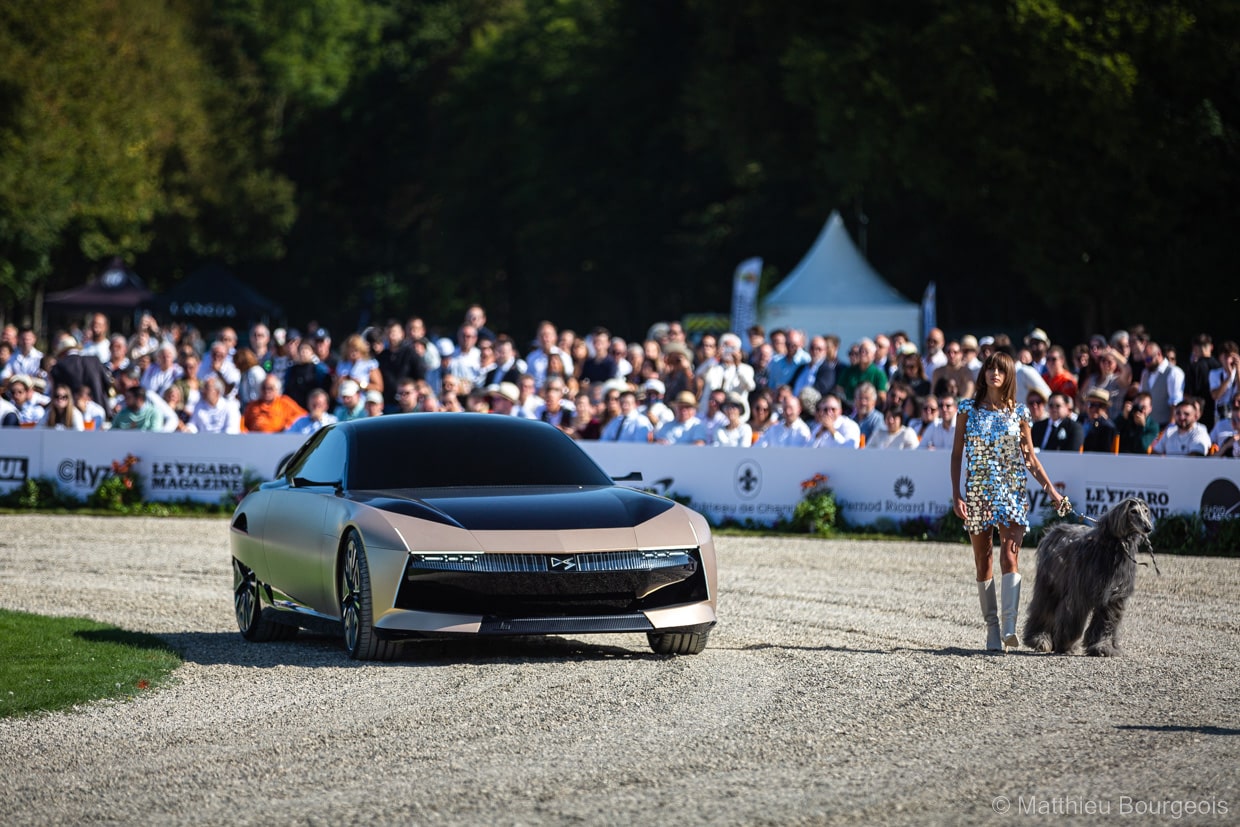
(992,439)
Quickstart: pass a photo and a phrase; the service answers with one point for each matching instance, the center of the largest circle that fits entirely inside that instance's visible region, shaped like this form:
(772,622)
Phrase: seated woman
(896,435)
(62,414)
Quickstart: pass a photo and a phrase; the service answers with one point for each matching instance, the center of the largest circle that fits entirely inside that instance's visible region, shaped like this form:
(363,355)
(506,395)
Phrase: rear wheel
(356,607)
(678,642)
(248,606)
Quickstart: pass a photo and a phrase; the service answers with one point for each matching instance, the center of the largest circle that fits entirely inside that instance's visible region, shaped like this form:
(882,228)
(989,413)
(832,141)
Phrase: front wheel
(356,606)
(674,642)
(248,606)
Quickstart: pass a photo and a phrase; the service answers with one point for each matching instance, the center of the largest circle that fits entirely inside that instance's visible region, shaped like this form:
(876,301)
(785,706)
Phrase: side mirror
(632,476)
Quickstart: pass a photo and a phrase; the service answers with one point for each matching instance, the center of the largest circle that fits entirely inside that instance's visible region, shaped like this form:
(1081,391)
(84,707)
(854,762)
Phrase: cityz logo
(14,469)
(78,472)
(748,479)
(904,488)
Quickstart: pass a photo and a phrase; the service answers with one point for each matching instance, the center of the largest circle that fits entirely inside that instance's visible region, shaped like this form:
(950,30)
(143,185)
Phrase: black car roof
(426,449)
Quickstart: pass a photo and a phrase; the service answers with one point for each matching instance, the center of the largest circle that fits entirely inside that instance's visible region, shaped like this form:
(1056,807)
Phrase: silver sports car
(436,525)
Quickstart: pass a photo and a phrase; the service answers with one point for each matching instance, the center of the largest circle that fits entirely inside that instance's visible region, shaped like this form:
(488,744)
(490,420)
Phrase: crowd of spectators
(1119,394)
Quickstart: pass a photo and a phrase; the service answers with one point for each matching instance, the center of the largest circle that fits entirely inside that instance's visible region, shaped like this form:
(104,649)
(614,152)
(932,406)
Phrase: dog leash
(1064,508)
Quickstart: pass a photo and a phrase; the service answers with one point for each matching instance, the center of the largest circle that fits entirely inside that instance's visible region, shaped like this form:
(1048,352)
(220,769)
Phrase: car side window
(320,459)
(325,461)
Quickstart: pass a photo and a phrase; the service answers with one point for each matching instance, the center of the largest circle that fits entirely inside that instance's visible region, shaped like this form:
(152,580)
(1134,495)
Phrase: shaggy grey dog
(1083,570)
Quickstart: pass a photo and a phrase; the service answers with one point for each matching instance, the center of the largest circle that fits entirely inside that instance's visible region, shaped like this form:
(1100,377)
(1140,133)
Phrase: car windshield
(436,450)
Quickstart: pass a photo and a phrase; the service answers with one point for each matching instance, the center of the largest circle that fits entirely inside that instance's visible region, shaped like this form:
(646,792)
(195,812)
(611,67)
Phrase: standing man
(1037,341)
(956,369)
(1197,376)
(864,370)
(96,337)
(547,345)
(1163,381)
(934,357)
(822,371)
(27,360)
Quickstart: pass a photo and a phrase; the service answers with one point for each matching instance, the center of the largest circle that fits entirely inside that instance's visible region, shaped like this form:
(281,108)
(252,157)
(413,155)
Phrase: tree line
(1071,164)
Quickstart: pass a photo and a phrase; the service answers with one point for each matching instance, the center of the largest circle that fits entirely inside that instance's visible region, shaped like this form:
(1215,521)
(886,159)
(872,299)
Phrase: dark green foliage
(603,161)
(1178,534)
(816,513)
(41,493)
(1224,541)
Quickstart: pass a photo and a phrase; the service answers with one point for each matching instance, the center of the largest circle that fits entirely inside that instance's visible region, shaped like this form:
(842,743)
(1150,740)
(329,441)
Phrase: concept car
(438,525)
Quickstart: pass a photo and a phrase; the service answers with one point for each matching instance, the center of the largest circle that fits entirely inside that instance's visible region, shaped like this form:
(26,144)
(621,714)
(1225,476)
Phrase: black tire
(252,621)
(356,607)
(678,643)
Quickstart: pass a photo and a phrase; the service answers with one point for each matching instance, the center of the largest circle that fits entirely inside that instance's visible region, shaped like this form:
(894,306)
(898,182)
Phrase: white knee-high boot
(1011,606)
(990,612)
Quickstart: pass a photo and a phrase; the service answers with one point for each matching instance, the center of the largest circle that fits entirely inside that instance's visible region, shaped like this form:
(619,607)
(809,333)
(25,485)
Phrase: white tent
(835,290)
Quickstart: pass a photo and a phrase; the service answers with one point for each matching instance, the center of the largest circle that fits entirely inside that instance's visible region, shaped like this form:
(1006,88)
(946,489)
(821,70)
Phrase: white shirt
(631,428)
(228,374)
(938,438)
(306,425)
(157,380)
(934,360)
(1027,379)
(29,365)
(1174,377)
(661,412)
(682,433)
(1222,430)
(739,437)
(904,439)
(222,418)
(537,364)
(847,435)
(783,435)
(1174,442)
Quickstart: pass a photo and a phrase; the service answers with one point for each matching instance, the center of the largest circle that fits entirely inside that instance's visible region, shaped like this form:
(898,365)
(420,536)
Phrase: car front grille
(508,586)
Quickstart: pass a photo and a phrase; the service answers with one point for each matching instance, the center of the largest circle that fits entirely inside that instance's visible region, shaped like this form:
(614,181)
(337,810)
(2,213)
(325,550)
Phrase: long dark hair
(1005,363)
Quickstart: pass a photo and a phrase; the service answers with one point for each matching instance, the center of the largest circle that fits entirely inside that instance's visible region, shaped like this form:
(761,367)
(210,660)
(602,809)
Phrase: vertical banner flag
(745,297)
(929,316)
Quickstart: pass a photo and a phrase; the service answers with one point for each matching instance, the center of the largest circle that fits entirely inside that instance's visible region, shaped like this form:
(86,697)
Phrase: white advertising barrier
(758,484)
(199,467)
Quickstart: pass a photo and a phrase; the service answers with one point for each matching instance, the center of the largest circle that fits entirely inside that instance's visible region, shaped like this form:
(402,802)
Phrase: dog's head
(1131,517)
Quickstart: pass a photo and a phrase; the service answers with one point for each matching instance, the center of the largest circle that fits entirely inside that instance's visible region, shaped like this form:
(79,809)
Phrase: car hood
(521,509)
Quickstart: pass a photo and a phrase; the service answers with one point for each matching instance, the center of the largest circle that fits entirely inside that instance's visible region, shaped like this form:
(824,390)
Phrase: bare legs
(1010,537)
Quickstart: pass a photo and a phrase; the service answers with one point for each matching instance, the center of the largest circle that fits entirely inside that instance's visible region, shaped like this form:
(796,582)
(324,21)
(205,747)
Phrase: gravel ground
(843,685)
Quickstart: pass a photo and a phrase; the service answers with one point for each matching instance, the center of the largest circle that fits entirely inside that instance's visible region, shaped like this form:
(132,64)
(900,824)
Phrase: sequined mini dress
(994,491)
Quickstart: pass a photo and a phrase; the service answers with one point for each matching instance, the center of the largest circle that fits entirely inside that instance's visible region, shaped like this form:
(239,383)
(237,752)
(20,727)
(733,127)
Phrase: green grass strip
(49,663)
